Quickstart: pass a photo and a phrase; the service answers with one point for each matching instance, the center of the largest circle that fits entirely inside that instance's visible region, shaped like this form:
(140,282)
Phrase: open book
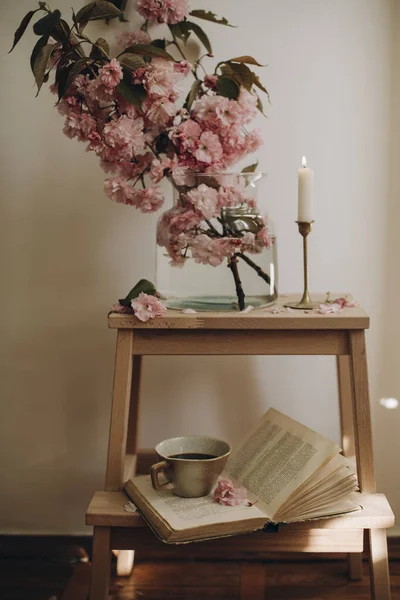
(291,473)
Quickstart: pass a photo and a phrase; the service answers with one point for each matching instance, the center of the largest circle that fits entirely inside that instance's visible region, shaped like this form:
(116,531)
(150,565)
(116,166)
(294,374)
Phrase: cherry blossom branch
(232,264)
(212,228)
(254,266)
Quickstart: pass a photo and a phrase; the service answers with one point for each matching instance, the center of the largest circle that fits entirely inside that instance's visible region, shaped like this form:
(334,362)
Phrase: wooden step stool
(256,333)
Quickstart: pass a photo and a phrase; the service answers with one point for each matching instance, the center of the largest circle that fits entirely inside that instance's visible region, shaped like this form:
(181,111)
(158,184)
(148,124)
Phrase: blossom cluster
(185,231)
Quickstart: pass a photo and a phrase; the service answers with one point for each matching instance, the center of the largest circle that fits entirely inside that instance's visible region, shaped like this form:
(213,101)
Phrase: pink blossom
(248,102)
(205,109)
(159,167)
(209,150)
(186,135)
(148,307)
(163,11)
(227,494)
(79,125)
(111,74)
(149,200)
(211,251)
(98,92)
(68,105)
(119,308)
(329,309)
(263,237)
(159,111)
(345,302)
(254,140)
(182,68)
(119,189)
(210,81)
(125,135)
(205,200)
(160,77)
(130,38)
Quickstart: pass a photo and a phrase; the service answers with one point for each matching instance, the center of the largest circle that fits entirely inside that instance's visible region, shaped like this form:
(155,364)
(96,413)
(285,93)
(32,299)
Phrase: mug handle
(155,470)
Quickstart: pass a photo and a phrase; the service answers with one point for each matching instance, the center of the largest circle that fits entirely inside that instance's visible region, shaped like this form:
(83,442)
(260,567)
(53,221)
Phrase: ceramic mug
(192,464)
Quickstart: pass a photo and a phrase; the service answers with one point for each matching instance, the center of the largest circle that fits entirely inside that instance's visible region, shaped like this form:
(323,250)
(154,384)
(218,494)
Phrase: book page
(278,457)
(185,513)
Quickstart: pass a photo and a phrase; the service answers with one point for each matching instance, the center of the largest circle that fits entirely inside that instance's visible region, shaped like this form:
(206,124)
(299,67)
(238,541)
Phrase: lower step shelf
(338,534)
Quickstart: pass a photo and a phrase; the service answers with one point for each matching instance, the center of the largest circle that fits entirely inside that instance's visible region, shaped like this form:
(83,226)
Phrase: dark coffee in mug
(193,456)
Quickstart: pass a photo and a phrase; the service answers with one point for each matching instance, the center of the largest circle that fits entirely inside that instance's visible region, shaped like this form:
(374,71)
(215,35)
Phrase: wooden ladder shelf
(256,333)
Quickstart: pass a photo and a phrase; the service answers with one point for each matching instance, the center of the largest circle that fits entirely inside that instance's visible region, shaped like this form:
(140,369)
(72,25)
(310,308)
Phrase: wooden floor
(67,578)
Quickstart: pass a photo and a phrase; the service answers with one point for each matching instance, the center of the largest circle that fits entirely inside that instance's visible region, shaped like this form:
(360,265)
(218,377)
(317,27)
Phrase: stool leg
(101,564)
(354,561)
(361,412)
(133,420)
(379,566)
(119,410)
(125,558)
(379,570)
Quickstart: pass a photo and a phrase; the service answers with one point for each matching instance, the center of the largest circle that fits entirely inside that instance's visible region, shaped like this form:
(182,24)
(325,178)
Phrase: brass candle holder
(306,302)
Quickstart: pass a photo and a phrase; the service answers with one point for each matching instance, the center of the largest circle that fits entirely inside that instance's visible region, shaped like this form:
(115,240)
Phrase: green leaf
(132,62)
(246,59)
(135,94)
(104,10)
(101,49)
(142,286)
(180,30)
(242,74)
(258,83)
(260,105)
(227,87)
(149,50)
(159,43)
(251,168)
(210,16)
(61,31)
(40,64)
(95,11)
(46,24)
(75,69)
(191,97)
(22,28)
(37,48)
(201,34)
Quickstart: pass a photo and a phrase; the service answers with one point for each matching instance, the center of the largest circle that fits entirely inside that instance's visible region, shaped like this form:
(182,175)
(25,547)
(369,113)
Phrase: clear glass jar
(215,250)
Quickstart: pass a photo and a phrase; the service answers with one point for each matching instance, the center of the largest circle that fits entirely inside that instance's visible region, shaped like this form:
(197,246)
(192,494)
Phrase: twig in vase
(254,266)
(213,229)
(232,264)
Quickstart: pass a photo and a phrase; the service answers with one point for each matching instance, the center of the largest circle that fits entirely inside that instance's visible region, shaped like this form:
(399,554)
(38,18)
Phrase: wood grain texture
(349,318)
(362,412)
(107,509)
(119,411)
(288,539)
(252,581)
(378,563)
(101,564)
(240,342)
(37,567)
(348,442)
(78,585)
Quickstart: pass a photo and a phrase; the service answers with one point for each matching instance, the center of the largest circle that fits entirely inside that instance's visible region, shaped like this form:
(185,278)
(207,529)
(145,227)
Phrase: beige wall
(68,253)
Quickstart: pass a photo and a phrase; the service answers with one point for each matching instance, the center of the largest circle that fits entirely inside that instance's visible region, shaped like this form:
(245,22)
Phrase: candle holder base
(302,305)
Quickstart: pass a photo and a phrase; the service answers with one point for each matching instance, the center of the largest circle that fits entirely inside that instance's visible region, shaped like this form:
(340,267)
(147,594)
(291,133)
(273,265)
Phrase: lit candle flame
(304,162)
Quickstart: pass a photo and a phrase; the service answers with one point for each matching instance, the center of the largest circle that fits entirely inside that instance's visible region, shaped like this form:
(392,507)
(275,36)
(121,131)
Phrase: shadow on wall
(219,396)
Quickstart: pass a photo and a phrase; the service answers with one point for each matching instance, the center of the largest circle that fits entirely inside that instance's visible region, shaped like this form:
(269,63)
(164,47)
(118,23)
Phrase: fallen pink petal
(227,494)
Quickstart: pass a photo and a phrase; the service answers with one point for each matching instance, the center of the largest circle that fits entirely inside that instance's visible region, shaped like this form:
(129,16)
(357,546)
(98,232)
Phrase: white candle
(306,193)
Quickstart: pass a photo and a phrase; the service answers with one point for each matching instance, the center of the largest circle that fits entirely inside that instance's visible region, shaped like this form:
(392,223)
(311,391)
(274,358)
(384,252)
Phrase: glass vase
(216,251)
